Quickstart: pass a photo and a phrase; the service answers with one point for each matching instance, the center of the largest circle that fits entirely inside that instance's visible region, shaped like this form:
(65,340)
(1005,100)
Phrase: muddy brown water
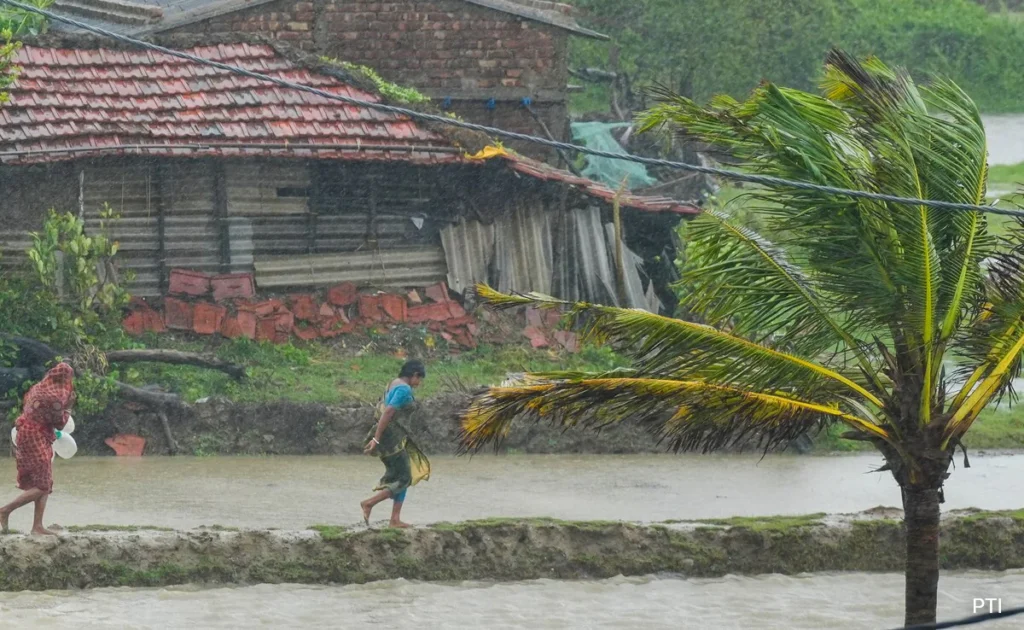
(295,492)
(855,601)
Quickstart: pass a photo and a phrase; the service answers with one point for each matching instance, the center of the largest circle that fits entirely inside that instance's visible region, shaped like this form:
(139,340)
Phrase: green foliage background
(729,46)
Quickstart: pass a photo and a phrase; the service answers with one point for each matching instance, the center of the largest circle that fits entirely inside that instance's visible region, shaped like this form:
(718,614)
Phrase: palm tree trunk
(921,517)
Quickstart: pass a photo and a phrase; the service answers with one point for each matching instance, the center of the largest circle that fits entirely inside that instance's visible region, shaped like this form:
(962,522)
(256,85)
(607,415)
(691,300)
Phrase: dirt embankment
(220,427)
(497,549)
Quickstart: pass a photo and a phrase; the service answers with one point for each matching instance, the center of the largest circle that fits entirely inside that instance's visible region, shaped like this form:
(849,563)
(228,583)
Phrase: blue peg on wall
(492,104)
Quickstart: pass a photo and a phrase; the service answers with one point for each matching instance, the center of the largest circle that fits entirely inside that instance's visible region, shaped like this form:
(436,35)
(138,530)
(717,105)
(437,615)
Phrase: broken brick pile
(227,305)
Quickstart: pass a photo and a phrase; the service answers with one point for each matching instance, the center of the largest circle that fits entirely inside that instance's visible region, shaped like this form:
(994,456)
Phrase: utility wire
(966,621)
(765,180)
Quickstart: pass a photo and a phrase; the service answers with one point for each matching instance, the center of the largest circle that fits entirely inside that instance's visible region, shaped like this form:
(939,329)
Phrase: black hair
(413,368)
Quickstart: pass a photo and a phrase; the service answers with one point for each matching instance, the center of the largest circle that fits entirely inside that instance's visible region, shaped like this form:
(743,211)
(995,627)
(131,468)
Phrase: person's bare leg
(24,498)
(396,513)
(37,519)
(368,504)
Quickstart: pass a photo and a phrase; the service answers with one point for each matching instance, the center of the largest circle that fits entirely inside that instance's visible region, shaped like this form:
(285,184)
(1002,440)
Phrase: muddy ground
(498,550)
(220,427)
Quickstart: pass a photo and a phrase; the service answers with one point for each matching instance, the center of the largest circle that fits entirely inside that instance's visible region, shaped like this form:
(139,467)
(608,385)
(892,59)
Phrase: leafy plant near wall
(392,91)
(22,23)
(70,296)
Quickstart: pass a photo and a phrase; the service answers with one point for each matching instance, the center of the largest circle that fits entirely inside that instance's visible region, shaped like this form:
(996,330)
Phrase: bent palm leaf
(689,415)
(672,348)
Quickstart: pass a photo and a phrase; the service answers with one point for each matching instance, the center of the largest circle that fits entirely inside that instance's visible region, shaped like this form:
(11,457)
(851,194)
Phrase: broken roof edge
(213,10)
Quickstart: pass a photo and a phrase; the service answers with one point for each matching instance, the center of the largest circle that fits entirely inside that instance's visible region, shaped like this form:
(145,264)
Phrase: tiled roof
(79,102)
(153,16)
(98,99)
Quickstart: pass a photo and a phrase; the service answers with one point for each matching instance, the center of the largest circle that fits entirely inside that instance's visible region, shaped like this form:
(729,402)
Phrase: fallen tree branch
(172,445)
(156,399)
(175,357)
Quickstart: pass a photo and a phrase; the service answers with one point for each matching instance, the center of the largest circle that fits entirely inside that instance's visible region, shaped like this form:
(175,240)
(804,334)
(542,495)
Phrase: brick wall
(444,48)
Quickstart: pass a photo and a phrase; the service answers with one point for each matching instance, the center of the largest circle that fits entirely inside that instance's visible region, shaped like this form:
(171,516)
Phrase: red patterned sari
(45,411)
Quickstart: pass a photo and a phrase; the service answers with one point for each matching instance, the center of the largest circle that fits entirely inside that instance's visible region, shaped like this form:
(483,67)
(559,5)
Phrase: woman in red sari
(45,411)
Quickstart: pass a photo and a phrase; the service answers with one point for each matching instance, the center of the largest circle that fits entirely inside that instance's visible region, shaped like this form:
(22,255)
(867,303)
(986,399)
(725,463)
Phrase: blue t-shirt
(399,396)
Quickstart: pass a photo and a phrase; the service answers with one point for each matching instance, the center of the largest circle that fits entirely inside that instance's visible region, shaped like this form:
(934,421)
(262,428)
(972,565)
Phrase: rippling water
(295,492)
(855,601)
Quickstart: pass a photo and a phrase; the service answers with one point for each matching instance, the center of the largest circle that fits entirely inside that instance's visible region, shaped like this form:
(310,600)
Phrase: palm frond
(734,275)
(663,347)
(687,415)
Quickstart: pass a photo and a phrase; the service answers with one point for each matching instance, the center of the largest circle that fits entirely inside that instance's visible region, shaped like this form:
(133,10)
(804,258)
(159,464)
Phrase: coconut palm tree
(842,311)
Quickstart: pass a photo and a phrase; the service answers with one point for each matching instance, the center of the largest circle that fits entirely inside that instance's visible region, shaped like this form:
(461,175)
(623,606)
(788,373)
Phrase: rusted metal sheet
(383,269)
(469,251)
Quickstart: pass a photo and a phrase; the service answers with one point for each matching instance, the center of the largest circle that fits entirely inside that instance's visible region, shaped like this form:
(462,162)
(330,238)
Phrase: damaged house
(215,172)
(502,63)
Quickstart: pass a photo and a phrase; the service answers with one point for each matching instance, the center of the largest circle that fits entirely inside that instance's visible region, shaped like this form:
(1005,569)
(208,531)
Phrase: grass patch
(322,374)
(997,428)
(116,528)
(767,523)
(331,532)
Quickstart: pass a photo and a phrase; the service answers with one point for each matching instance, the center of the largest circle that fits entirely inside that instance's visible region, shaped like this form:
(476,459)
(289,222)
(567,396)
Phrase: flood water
(854,601)
(295,492)
(1005,135)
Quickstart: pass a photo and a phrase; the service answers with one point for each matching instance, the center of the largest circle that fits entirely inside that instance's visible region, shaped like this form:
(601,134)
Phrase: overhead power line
(764,180)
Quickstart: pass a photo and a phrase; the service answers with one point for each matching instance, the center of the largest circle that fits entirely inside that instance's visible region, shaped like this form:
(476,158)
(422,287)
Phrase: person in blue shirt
(405,464)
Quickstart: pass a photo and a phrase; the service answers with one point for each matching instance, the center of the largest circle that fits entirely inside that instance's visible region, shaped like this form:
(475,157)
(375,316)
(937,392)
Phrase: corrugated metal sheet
(390,269)
(523,257)
(469,252)
(633,264)
(592,264)
(267,188)
(13,244)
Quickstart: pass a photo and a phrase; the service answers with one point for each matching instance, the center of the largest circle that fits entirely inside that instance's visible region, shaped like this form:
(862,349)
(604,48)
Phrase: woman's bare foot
(4,524)
(399,525)
(42,531)
(366,512)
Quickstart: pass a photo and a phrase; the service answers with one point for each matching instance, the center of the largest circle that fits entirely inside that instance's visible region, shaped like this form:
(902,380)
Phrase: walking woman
(45,411)
(405,464)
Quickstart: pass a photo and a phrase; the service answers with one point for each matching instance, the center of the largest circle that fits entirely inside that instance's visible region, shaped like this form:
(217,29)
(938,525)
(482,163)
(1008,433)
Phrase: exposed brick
(191,283)
(430,45)
(230,327)
(307,333)
(369,308)
(153,322)
(437,292)
(207,318)
(394,307)
(134,324)
(536,336)
(126,445)
(428,313)
(233,286)
(268,307)
(247,323)
(177,314)
(304,307)
(343,295)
